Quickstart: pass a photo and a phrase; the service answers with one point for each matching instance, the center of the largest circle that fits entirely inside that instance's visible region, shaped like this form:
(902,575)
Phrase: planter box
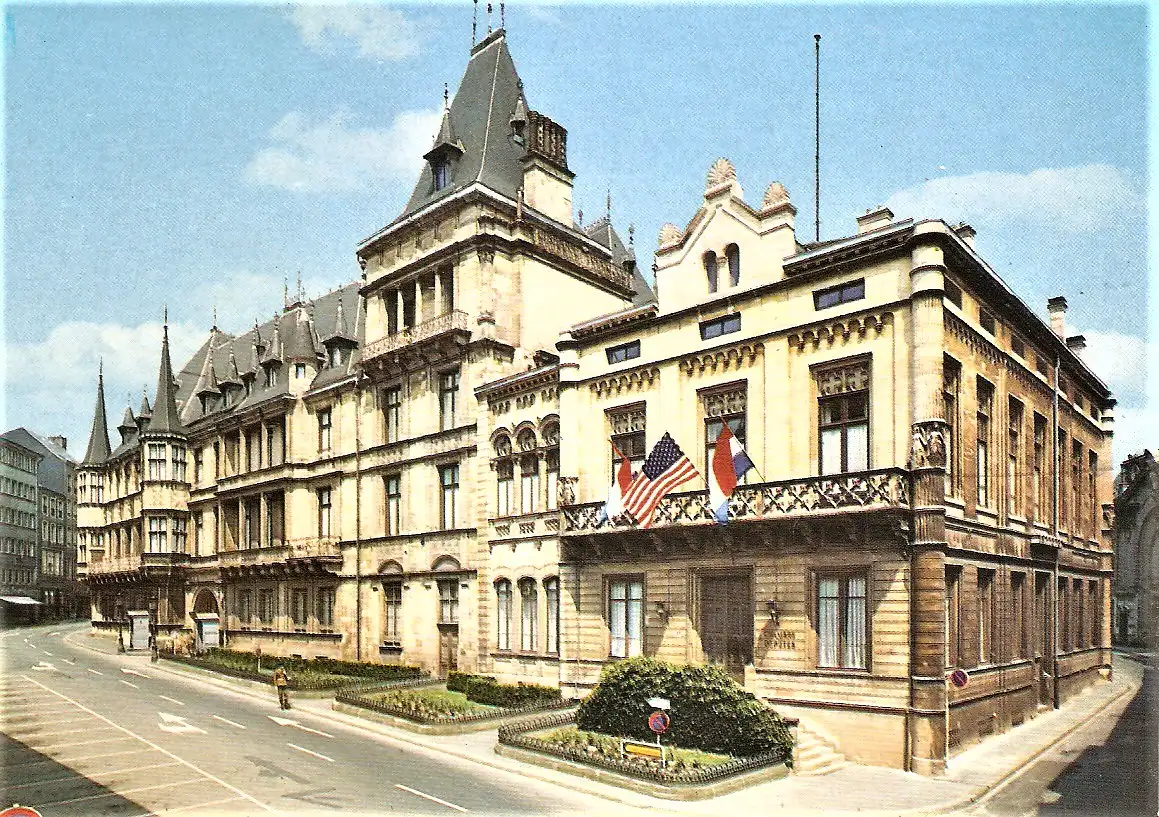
(354,702)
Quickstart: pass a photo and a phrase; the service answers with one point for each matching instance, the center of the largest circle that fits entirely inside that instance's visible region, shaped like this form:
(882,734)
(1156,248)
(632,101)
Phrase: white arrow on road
(175,723)
(296,725)
(45,666)
(129,671)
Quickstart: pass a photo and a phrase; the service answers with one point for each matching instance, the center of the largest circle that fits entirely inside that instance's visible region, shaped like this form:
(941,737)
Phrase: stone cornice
(845,329)
(635,380)
(723,360)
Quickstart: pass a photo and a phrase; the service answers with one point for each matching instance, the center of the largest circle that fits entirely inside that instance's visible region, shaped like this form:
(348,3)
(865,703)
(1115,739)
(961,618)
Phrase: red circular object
(19,811)
(658,722)
(959,678)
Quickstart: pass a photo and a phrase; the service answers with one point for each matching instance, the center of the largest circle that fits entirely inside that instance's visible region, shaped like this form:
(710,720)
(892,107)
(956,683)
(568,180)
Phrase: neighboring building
(19,567)
(412,468)
(1136,582)
(57,588)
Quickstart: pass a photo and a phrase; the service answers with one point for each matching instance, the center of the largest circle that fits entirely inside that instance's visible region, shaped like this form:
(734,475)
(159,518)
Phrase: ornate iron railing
(455,320)
(884,488)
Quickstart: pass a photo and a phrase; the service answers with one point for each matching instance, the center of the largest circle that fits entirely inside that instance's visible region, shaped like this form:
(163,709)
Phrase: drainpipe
(1054,527)
(358,517)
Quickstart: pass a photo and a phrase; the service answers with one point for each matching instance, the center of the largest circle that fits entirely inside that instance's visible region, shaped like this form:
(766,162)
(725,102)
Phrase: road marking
(187,808)
(89,742)
(8,722)
(129,683)
(86,757)
(150,744)
(94,671)
(227,720)
(46,652)
(172,700)
(296,725)
(430,797)
(307,751)
(175,723)
(50,635)
(45,666)
(68,661)
(89,776)
(117,793)
(131,671)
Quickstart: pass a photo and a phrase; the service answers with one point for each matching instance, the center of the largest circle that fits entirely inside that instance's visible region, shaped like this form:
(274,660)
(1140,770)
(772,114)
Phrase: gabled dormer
(231,385)
(340,343)
(444,156)
(128,428)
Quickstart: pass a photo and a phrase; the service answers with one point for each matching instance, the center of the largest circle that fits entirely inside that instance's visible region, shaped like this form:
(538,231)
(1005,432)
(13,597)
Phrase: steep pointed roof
(298,344)
(341,329)
(602,232)
(128,421)
(445,139)
(232,377)
(207,380)
(145,410)
(480,114)
(98,450)
(165,418)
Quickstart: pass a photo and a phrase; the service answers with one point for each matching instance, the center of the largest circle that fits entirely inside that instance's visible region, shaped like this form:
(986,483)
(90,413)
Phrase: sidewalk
(866,790)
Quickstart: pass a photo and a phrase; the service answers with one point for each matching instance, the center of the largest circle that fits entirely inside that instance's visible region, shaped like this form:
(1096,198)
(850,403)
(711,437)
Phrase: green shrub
(484,689)
(248,661)
(459,681)
(709,710)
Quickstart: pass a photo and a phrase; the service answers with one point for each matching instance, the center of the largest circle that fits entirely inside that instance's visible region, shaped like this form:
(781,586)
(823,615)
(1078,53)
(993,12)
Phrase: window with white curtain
(503,614)
(529,614)
(551,591)
(841,621)
(626,617)
(843,418)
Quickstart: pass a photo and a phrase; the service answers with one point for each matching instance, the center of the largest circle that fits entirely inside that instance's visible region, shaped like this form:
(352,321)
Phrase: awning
(19,600)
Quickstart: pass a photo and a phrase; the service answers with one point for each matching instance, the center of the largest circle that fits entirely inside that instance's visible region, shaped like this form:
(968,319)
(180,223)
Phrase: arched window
(732,252)
(529,472)
(551,458)
(529,614)
(551,590)
(505,475)
(710,270)
(503,614)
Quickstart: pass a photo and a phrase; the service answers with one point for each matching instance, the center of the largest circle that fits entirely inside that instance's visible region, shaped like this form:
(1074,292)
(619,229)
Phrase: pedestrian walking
(282,682)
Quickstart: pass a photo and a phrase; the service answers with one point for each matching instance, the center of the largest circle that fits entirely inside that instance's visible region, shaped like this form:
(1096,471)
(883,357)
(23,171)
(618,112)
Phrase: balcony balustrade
(887,488)
(454,321)
(134,562)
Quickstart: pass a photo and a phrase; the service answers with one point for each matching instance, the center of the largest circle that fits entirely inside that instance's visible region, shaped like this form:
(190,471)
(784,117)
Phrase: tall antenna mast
(817,139)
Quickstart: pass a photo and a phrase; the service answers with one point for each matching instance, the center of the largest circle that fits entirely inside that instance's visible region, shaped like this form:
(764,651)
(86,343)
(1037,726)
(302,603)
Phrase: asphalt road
(89,733)
(1108,767)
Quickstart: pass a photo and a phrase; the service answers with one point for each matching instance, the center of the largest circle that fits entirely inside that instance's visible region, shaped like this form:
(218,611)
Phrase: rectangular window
(720,326)
(986,319)
(625,351)
(986,646)
(1064,629)
(982,463)
(839,294)
(393,487)
(953,293)
(392,617)
(156,461)
(325,611)
(1037,477)
(1080,629)
(626,617)
(953,616)
(324,512)
(1014,498)
(324,428)
(627,431)
(552,479)
(503,614)
(843,417)
(551,590)
(180,535)
(198,465)
(951,386)
(448,395)
(529,483)
(266,606)
(1060,469)
(1094,636)
(298,608)
(529,614)
(841,621)
(449,481)
(504,479)
(178,462)
(1019,640)
(245,610)
(448,601)
(157,535)
(1077,484)
(1018,347)
(392,409)
(728,405)
(1093,494)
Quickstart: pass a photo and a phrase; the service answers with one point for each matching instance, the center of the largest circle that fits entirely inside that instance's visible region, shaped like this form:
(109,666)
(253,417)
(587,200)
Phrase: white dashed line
(68,661)
(94,671)
(172,700)
(307,751)
(430,797)
(129,683)
(227,720)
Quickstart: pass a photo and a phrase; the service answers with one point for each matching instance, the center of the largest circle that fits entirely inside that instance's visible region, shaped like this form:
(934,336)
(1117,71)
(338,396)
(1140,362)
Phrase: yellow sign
(642,749)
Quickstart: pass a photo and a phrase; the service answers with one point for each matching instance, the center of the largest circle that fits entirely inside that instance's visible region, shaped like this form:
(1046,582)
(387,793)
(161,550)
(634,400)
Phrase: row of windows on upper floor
(11,546)
(18,489)
(17,518)
(426,297)
(18,576)
(18,459)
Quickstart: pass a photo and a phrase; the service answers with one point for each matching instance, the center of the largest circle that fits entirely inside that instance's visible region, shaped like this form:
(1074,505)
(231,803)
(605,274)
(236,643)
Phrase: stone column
(440,305)
(929,705)
(398,309)
(418,301)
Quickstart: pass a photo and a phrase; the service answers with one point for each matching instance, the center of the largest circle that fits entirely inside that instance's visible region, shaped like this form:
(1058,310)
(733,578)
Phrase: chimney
(966,233)
(880,216)
(1056,306)
(1077,343)
(61,441)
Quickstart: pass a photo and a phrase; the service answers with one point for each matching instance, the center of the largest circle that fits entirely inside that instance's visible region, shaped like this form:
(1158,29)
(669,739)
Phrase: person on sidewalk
(282,682)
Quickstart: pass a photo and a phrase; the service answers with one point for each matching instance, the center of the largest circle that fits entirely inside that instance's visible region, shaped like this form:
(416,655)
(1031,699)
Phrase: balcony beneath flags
(850,506)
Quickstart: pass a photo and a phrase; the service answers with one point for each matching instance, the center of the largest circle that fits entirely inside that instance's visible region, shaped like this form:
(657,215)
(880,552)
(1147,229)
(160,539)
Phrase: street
(89,733)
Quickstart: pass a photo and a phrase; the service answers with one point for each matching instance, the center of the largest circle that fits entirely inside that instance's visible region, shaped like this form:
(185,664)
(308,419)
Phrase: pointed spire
(446,96)
(146,409)
(128,423)
(214,327)
(98,450)
(165,418)
(502,16)
(609,210)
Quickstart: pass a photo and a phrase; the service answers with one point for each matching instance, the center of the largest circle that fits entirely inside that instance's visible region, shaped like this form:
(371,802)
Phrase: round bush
(709,710)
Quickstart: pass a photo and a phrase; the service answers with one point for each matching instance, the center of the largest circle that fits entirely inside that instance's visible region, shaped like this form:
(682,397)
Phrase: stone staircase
(816,752)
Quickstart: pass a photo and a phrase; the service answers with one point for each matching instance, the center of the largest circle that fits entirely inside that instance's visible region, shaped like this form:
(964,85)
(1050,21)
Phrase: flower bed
(440,705)
(556,735)
(305,674)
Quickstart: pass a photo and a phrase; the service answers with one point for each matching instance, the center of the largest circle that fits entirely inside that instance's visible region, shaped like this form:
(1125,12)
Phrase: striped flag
(665,468)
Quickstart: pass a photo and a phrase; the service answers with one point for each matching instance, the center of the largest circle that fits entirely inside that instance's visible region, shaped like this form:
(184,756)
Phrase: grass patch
(430,703)
(596,743)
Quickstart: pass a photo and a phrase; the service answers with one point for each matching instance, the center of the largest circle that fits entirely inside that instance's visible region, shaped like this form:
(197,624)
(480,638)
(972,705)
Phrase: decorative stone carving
(1109,516)
(721,172)
(486,255)
(721,403)
(627,420)
(848,377)
(669,234)
(775,195)
(567,490)
(928,445)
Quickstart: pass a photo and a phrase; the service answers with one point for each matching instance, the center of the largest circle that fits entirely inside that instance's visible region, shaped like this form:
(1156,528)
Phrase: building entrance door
(1042,641)
(448,648)
(208,631)
(726,621)
(138,630)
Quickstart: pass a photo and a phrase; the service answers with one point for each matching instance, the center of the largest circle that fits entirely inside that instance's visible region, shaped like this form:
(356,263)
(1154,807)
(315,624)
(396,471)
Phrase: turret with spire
(98,450)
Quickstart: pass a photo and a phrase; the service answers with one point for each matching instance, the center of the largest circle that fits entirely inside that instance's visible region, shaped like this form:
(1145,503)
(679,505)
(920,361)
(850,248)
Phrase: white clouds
(1120,360)
(333,155)
(1135,429)
(378,33)
(1079,199)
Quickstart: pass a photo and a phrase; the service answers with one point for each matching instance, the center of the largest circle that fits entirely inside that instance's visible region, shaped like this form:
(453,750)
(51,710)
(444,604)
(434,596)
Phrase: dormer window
(271,377)
(732,252)
(442,173)
(710,270)
(335,356)
(299,370)
(518,131)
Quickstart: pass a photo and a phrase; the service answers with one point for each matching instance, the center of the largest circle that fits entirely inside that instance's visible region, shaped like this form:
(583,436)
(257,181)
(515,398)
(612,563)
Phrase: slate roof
(54,472)
(165,419)
(479,120)
(98,450)
(603,233)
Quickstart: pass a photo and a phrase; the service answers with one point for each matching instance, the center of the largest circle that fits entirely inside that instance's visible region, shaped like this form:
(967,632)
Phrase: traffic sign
(658,722)
(959,678)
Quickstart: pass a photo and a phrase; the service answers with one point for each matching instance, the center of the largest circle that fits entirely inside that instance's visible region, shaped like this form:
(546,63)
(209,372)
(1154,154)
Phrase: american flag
(665,468)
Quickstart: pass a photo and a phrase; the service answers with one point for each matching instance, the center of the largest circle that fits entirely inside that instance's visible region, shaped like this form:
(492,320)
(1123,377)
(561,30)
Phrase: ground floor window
(626,616)
(551,590)
(298,608)
(326,608)
(503,614)
(266,606)
(841,621)
(392,595)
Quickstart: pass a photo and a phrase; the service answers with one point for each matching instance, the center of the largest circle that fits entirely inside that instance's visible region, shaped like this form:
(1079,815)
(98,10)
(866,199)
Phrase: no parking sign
(658,722)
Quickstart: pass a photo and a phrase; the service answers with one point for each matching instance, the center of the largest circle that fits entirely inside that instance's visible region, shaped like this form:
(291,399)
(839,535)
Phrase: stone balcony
(300,557)
(136,566)
(811,498)
(431,339)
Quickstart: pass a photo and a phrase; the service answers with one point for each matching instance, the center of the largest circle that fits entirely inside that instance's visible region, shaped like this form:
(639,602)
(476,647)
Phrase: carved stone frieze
(846,330)
(734,357)
(627,420)
(928,444)
(626,381)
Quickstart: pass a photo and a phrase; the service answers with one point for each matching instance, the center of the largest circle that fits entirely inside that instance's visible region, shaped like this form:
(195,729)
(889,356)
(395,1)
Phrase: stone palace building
(412,468)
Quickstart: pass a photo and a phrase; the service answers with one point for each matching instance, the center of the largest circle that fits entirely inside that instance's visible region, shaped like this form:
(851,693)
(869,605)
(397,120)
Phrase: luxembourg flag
(729,464)
(615,505)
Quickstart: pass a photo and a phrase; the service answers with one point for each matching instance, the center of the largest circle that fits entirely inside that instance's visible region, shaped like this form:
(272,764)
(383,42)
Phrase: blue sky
(197,155)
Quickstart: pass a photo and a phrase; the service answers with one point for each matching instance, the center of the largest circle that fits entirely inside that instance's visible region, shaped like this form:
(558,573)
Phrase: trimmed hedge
(484,689)
(709,710)
(248,662)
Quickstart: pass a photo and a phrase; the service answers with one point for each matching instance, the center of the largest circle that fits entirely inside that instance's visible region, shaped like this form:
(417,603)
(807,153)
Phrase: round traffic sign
(658,722)
(19,811)
(959,678)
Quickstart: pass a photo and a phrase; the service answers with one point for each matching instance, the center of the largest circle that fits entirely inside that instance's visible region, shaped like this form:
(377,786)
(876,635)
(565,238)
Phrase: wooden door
(448,649)
(726,622)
